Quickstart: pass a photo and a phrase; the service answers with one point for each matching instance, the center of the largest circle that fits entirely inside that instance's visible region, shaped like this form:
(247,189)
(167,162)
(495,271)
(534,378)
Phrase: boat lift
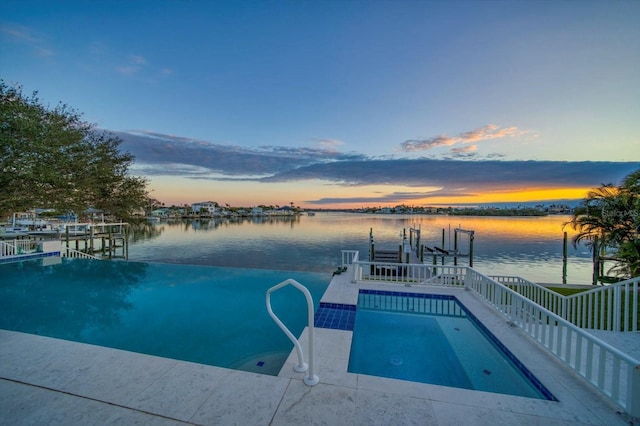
(423,250)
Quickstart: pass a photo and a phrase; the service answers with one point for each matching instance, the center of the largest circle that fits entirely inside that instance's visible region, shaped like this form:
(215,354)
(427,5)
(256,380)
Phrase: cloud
(468,151)
(487,132)
(27,36)
(158,154)
(481,175)
(155,151)
(137,59)
(465,149)
(390,198)
(133,64)
(328,144)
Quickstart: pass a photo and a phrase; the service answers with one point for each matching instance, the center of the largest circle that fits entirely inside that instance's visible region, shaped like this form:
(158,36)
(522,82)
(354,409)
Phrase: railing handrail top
(558,318)
(372,262)
(606,287)
(571,296)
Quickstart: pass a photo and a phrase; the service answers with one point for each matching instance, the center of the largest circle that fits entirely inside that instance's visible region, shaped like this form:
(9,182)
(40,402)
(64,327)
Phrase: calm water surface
(528,247)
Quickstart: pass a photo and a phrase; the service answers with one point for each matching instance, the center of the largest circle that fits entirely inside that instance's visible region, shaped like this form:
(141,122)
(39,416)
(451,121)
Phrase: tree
(50,157)
(609,218)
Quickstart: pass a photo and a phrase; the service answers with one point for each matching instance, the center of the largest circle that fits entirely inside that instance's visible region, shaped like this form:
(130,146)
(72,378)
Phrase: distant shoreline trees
(51,158)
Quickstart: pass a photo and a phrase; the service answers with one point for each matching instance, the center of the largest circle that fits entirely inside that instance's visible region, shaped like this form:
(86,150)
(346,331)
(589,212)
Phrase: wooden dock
(107,240)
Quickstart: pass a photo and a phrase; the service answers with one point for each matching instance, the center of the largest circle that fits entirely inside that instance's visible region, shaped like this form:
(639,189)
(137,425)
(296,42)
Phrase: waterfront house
(204,207)
(161,212)
(257,211)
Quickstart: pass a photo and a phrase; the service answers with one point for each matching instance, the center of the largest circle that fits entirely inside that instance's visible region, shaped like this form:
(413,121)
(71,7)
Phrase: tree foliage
(609,218)
(51,158)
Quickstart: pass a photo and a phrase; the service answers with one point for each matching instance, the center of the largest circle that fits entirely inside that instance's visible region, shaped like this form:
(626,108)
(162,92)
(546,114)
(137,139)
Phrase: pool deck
(52,381)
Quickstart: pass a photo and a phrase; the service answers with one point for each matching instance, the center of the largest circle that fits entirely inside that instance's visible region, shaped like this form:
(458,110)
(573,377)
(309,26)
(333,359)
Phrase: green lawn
(570,291)
(566,291)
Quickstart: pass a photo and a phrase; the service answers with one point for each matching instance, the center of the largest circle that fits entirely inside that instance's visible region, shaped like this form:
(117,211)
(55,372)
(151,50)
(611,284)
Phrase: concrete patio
(51,381)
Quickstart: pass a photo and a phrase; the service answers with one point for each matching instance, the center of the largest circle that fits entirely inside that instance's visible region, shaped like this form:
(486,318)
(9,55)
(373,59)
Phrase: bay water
(529,247)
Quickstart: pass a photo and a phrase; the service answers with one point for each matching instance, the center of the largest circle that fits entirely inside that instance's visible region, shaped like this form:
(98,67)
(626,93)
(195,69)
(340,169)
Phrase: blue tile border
(406,294)
(335,316)
(519,365)
(31,256)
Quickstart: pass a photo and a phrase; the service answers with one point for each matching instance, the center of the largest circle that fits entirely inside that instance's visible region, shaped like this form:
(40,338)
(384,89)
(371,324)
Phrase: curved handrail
(311,379)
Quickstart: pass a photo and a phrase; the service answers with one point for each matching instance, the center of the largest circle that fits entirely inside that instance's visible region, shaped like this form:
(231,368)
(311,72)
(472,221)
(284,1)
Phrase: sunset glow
(345,104)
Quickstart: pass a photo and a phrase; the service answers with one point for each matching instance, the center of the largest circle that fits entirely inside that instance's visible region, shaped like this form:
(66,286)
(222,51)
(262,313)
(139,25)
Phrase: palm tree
(609,220)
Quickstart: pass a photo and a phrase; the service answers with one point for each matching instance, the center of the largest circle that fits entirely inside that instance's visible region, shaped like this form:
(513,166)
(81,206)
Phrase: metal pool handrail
(311,379)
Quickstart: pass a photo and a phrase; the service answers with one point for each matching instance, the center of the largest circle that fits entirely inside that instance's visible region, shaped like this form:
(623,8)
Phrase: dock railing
(76,254)
(18,247)
(349,256)
(7,249)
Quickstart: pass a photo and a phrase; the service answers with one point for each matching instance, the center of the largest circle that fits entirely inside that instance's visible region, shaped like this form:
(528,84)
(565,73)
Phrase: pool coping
(46,380)
(577,401)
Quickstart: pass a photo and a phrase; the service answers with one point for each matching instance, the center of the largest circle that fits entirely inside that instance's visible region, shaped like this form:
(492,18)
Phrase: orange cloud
(488,132)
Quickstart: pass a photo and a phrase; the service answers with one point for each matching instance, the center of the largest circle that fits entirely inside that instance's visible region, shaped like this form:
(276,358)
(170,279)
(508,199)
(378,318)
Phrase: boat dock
(412,250)
(106,240)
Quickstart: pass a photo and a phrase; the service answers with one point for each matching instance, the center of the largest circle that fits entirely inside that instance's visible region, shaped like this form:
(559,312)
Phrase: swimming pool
(208,315)
(434,339)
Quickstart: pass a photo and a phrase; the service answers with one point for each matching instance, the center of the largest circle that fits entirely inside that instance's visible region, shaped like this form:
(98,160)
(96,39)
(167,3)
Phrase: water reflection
(95,298)
(527,246)
(143,230)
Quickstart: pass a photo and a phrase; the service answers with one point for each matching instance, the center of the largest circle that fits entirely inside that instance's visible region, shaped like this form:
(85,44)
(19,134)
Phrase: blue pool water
(433,339)
(208,315)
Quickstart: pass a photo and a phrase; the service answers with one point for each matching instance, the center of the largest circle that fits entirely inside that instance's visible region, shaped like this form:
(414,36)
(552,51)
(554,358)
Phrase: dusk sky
(345,103)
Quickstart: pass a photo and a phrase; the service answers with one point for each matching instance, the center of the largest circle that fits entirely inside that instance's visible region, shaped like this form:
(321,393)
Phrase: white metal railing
(7,250)
(612,372)
(349,256)
(18,247)
(75,254)
(311,379)
(449,276)
(541,295)
(26,246)
(390,272)
(612,308)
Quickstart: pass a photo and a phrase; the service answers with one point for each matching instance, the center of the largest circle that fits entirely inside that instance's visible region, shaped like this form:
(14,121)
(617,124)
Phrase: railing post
(357,272)
(633,392)
(468,279)
(617,306)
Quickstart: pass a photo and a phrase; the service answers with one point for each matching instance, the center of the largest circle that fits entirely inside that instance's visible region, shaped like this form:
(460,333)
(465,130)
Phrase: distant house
(204,207)
(281,211)
(559,209)
(257,211)
(162,212)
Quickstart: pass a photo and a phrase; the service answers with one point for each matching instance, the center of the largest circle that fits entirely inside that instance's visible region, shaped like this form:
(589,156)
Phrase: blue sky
(345,103)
